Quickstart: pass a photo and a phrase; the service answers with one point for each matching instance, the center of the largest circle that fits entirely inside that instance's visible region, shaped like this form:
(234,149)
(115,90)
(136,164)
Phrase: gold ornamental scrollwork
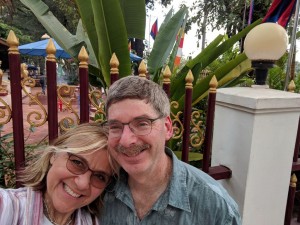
(197,134)
(34,118)
(97,101)
(5,112)
(177,124)
(65,94)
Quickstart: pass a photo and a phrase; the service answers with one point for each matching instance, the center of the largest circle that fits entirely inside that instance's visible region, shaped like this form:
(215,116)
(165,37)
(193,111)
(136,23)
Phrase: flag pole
(292,46)
(149,24)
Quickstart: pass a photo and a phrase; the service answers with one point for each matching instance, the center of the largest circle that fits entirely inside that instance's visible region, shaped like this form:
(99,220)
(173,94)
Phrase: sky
(190,39)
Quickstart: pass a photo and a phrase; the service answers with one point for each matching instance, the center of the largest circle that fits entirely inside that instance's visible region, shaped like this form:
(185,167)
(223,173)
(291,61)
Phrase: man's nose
(127,137)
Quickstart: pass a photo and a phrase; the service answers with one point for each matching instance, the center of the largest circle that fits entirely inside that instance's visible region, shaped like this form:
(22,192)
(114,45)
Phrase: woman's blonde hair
(84,138)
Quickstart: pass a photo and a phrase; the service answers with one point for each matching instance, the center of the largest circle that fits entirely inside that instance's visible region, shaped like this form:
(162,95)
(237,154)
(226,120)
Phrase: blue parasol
(39,49)
(134,57)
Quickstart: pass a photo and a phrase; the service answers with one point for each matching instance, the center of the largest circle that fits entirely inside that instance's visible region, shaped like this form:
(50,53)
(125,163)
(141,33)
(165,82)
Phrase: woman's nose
(83,181)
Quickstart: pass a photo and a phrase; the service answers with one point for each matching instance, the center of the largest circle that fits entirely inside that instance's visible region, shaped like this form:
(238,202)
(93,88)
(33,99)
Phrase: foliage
(297,83)
(105,28)
(5,28)
(227,14)
(7,160)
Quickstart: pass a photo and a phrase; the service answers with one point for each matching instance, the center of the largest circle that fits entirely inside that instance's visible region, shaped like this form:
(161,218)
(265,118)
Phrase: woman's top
(23,206)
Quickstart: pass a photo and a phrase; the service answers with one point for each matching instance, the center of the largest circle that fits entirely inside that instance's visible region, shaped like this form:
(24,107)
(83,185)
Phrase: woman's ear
(52,159)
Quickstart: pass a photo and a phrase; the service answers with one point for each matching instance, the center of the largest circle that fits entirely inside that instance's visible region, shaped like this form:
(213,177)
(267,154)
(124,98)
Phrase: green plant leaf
(134,13)
(203,60)
(164,41)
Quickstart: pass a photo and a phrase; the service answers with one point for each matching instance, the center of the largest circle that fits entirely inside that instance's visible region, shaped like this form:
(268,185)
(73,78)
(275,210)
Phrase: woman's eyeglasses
(78,166)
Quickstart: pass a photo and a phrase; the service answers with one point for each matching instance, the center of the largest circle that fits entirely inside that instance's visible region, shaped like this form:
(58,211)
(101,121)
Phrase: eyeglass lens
(139,126)
(76,165)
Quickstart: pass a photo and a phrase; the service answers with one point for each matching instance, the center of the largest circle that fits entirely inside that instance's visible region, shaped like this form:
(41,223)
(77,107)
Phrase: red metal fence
(17,84)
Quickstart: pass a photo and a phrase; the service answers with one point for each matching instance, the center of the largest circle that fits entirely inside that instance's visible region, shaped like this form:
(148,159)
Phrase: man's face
(150,147)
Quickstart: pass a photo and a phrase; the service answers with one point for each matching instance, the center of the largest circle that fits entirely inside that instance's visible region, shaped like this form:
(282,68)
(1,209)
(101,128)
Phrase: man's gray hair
(134,87)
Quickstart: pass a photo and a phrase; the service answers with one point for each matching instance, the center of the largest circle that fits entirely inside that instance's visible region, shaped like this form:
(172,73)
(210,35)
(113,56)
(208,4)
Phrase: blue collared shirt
(192,198)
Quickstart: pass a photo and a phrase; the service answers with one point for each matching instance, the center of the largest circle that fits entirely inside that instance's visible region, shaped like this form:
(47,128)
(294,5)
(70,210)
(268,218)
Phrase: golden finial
(293,181)
(13,43)
(83,58)
(167,75)
(114,64)
(189,80)
(51,50)
(291,86)
(213,84)
(142,69)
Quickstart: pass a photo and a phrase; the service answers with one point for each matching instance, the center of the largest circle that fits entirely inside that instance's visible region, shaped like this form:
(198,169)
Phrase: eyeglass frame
(106,124)
(87,168)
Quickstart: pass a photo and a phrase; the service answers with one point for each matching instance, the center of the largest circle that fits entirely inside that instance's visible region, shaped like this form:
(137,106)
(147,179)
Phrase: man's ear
(169,128)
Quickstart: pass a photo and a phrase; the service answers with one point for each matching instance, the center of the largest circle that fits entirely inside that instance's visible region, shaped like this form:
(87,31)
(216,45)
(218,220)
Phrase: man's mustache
(132,150)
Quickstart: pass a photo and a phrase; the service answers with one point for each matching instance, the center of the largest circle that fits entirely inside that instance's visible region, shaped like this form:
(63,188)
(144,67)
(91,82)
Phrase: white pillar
(254,135)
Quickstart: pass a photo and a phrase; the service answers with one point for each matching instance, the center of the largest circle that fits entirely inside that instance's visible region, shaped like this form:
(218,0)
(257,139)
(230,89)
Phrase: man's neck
(147,188)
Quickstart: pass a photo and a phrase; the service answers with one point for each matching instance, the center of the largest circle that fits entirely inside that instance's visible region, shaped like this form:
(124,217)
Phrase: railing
(293,182)
(182,129)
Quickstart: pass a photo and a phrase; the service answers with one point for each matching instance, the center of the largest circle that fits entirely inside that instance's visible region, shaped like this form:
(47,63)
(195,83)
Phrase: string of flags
(280,12)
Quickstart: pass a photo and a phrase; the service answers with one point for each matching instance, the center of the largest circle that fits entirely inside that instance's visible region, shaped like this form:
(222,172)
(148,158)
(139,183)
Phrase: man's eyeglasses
(139,126)
(78,166)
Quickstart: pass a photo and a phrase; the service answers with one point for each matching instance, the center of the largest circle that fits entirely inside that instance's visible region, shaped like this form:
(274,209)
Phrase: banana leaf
(164,42)
(203,60)
(134,13)
(191,64)
(69,42)
(114,23)
(233,68)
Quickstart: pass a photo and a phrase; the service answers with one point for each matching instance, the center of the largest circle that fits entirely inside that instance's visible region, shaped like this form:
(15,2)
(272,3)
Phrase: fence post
(16,100)
(297,144)
(51,91)
(114,69)
(166,80)
(187,116)
(142,69)
(208,138)
(83,88)
(290,200)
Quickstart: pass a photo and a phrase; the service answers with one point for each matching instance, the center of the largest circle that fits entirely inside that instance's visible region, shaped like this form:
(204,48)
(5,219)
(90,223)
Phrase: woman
(65,184)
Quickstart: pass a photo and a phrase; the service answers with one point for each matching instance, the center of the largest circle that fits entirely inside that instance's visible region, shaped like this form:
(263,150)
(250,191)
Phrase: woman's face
(67,191)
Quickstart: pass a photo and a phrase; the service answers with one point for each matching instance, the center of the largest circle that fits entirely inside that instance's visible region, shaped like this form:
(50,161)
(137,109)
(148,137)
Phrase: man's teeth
(70,192)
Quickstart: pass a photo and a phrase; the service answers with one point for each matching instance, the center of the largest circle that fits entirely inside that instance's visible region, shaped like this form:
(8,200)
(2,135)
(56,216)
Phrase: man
(154,186)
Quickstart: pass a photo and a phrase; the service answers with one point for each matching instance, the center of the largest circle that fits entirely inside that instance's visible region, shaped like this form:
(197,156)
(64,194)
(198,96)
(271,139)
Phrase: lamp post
(263,45)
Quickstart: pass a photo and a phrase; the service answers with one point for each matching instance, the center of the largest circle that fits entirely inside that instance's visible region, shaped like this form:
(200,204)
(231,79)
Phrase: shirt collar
(178,196)
(175,195)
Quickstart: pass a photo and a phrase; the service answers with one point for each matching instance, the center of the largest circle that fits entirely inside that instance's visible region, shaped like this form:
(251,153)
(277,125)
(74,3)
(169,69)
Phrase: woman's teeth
(70,192)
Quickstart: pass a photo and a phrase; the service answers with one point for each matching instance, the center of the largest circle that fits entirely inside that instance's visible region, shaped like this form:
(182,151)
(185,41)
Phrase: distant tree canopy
(14,15)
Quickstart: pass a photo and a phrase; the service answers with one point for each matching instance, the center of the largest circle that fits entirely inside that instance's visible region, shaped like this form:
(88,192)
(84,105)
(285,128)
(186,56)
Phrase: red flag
(280,12)
(154,30)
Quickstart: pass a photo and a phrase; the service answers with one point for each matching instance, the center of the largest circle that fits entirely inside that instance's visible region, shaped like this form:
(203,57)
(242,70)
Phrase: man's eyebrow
(144,116)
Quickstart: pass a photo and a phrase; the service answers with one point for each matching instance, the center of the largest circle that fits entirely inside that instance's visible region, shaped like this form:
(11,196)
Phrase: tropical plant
(7,159)
(105,27)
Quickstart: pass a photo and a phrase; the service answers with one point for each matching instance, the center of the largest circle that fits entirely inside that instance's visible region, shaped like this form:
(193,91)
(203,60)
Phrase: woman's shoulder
(14,193)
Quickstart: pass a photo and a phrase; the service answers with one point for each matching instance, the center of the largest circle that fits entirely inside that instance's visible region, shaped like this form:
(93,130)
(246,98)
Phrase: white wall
(254,135)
